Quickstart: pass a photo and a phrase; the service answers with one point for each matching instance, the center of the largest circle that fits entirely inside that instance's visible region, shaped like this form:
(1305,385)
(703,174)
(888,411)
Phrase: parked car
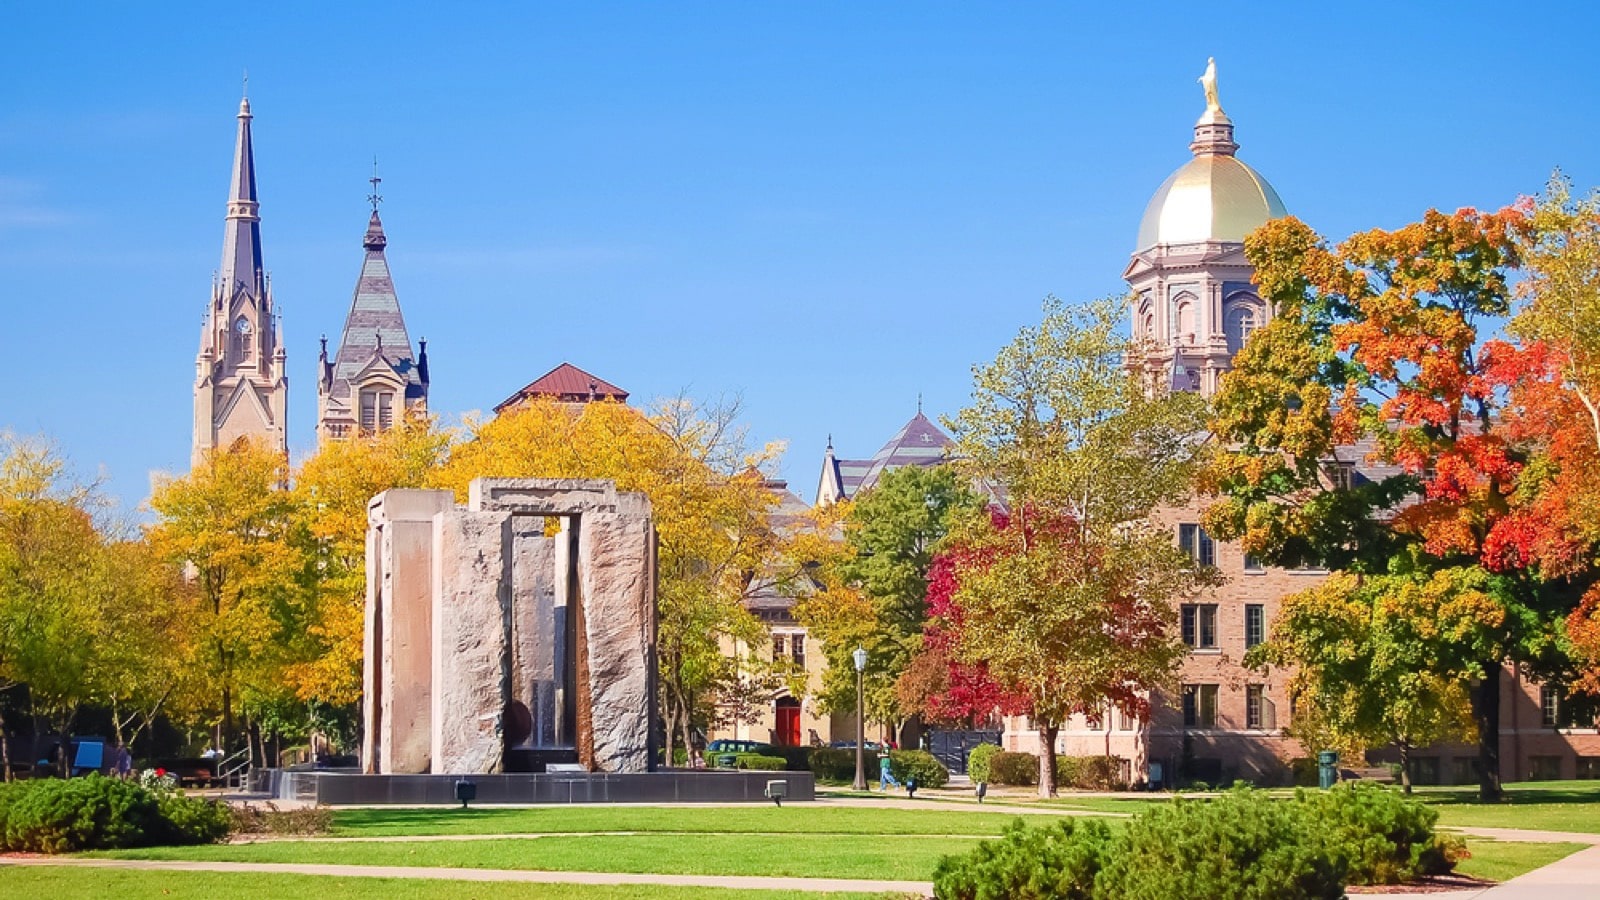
(721,753)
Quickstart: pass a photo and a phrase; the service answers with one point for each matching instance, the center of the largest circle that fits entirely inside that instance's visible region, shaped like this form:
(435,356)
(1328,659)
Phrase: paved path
(739,882)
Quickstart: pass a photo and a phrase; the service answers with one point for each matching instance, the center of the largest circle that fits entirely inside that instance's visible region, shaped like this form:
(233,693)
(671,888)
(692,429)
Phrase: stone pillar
(616,556)
(398,630)
(536,635)
(471,625)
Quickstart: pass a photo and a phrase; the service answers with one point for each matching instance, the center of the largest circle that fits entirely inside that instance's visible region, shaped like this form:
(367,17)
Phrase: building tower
(1193,303)
(240,389)
(373,381)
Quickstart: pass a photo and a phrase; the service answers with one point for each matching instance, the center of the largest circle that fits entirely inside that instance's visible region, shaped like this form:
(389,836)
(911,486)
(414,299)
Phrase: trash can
(1327,768)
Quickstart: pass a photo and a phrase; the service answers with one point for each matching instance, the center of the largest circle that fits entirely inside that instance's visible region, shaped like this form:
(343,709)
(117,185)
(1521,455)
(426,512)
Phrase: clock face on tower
(242,326)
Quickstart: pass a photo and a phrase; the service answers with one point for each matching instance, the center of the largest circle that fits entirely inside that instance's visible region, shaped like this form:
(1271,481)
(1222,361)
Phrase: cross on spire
(374,198)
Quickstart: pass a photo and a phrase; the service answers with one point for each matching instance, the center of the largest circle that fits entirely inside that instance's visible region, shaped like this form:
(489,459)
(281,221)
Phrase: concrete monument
(512,633)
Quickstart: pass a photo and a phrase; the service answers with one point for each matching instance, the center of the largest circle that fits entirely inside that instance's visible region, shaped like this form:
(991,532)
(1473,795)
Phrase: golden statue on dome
(1208,81)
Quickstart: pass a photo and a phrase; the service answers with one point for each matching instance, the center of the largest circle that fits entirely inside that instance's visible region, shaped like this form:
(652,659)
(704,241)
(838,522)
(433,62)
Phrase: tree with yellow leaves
(227,523)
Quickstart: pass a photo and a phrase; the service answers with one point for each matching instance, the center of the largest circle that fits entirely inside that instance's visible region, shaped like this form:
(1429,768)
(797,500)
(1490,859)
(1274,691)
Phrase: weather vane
(375,198)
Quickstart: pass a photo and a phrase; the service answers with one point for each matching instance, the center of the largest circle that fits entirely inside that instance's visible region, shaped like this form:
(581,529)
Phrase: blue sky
(828,208)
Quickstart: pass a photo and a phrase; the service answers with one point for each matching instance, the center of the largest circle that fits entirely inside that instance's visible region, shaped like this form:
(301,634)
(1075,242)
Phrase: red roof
(569,384)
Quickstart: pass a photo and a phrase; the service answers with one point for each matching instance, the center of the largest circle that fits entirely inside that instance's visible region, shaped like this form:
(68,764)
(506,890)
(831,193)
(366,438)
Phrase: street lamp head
(860,658)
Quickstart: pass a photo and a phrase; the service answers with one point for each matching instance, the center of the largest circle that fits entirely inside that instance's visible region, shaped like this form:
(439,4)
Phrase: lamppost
(859,657)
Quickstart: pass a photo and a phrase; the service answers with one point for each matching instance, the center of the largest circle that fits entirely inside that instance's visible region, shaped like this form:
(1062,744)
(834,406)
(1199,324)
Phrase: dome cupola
(1213,197)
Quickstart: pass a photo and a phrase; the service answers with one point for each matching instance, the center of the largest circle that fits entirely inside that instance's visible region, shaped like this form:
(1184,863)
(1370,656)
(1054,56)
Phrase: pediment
(244,400)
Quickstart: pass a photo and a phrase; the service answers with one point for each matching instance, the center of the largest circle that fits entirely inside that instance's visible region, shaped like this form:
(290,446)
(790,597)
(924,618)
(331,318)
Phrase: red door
(788,722)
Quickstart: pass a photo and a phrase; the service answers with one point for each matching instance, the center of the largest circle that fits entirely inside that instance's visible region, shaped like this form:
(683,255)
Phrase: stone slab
(471,659)
(542,496)
(616,555)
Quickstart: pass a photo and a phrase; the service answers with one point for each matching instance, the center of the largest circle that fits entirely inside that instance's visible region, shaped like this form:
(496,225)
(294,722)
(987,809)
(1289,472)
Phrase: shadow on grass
(1516,793)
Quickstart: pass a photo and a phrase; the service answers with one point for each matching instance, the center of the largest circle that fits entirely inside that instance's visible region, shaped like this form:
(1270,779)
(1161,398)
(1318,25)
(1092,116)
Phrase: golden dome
(1213,197)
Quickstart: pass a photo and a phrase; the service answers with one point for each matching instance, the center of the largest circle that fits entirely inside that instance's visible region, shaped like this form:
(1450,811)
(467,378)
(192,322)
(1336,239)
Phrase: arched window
(1185,321)
(1240,320)
(1145,323)
(241,338)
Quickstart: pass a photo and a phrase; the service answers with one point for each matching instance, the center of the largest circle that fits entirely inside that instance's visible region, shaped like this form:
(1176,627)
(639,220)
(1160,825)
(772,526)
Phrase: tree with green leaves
(1068,601)
(1383,659)
(891,532)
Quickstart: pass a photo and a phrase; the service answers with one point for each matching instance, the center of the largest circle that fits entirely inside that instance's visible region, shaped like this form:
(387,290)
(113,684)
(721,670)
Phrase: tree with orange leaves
(1376,354)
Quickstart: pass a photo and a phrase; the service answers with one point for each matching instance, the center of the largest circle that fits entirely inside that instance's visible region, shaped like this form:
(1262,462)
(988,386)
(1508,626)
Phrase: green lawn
(1504,860)
(1539,805)
(796,818)
(895,857)
(66,881)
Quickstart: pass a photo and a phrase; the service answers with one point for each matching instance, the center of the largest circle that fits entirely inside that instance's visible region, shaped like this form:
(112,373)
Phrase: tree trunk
(1486,714)
(1047,759)
(669,724)
(5,746)
(1405,766)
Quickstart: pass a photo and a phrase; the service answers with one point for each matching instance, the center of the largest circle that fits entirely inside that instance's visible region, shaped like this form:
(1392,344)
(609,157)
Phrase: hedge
(1014,768)
(759,762)
(98,813)
(1241,846)
(839,765)
(1090,773)
(919,766)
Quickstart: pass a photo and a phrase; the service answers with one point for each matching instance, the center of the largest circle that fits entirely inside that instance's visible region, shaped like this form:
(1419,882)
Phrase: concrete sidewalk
(737,882)
(1575,878)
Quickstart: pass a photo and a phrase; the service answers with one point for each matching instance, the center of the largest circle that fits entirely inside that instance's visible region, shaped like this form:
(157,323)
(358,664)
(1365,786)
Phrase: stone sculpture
(518,630)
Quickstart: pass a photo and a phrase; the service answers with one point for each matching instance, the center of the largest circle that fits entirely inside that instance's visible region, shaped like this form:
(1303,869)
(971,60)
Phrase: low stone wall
(673,786)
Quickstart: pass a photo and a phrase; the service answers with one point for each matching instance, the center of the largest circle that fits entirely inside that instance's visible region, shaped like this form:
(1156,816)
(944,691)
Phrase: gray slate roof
(375,322)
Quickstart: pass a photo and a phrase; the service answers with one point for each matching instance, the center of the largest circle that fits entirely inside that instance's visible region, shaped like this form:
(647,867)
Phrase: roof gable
(569,384)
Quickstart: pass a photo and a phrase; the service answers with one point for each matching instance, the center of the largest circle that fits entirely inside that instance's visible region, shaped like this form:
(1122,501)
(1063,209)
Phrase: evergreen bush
(1383,836)
(1240,846)
(979,761)
(1056,862)
(919,766)
(1014,768)
(97,813)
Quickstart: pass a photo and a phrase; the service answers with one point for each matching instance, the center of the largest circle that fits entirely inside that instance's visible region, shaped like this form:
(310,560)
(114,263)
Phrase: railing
(232,770)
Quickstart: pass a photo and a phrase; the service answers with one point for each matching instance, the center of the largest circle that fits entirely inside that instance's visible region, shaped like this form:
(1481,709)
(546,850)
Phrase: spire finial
(919,403)
(374,198)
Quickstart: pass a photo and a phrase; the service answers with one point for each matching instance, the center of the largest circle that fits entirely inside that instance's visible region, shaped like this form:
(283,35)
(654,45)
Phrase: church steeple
(240,389)
(241,236)
(372,381)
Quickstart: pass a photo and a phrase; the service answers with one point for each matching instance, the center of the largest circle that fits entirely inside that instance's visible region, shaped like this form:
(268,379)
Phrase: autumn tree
(227,525)
(1068,600)
(329,532)
(1384,659)
(711,513)
(1376,352)
(891,532)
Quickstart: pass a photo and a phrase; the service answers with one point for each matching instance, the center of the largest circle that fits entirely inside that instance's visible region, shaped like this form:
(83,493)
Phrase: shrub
(759,762)
(1382,836)
(1091,773)
(1303,771)
(919,766)
(1056,862)
(1240,846)
(796,759)
(839,765)
(1014,768)
(94,813)
(251,819)
(979,760)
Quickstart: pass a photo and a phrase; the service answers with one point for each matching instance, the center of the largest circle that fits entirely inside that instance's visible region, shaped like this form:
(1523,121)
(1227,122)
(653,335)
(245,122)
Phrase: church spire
(241,235)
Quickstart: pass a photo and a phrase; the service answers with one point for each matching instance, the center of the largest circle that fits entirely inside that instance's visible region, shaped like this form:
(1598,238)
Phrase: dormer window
(377,411)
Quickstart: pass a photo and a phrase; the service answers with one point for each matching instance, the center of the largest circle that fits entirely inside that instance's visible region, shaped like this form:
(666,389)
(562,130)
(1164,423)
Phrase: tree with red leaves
(1067,603)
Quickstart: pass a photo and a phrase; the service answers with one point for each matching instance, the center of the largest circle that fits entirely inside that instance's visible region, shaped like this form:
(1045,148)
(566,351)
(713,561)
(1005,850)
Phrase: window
(1252,706)
(1125,722)
(1544,768)
(777,648)
(369,411)
(1200,625)
(1255,624)
(1199,706)
(1588,767)
(1193,540)
(385,411)
(1253,565)
(1549,706)
(1241,320)
(1341,476)
(797,645)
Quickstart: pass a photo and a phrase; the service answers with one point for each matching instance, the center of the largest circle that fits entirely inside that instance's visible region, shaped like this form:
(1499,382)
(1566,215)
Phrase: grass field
(1504,860)
(899,858)
(797,818)
(132,885)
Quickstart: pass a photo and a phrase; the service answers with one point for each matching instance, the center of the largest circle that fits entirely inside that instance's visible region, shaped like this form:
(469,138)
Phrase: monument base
(351,788)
